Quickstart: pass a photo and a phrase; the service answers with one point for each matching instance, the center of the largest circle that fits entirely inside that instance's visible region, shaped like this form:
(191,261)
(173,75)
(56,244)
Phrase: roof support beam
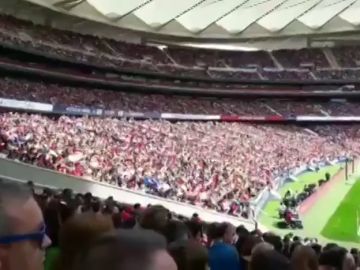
(68,4)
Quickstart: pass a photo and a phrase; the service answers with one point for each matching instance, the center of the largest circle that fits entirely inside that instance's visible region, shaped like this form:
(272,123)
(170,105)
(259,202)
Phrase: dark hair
(274,240)
(96,206)
(293,246)
(296,238)
(329,246)
(122,249)
(195,228)
(317,248)
(52,220)
(189,255)
(304,258)
(269,260)
(241,230)
(155,218)
(77,233)
(31,186)
(211,230)
(355,253)
(220,230)
(333,257)
(176,230)
(249,243)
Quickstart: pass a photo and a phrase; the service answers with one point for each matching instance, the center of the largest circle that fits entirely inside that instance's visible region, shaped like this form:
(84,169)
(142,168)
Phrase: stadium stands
(308,64)
(23,89)
(180,167)
(152,156)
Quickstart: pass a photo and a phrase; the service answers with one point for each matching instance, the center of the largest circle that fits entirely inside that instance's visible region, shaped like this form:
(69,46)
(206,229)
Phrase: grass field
(342,225)
(270,212)
(332,217)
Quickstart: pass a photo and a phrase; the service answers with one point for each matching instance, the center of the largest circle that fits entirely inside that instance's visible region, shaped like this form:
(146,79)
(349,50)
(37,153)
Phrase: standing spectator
(128,250)
(155,218)
(269,260)
(222,254)
(195,230)
(176,231)
(304,258)
(336,258)
(22,230)
(77,233)
(189,255)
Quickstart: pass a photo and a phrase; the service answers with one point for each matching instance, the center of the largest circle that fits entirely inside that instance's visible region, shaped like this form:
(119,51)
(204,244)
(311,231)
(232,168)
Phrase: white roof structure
(215,19)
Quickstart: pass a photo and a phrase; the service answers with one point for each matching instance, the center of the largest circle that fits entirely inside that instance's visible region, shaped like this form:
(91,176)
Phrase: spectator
(222,255)
(127,250)
(195,230)
(269,260)
(176,231)
(189,255)
(246,249)
(274,240)
(336,258)
(304,258)
(317,248)
(155,218)
(23,236)
(355,253)
(77,233)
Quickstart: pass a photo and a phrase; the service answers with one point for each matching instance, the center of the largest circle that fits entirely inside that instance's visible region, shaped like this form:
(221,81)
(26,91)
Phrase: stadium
(187,119)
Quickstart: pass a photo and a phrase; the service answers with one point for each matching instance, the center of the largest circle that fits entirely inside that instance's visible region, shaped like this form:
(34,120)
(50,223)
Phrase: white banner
(25,105)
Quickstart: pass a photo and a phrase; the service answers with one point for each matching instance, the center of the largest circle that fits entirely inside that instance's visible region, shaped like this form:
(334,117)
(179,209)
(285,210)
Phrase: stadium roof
(217,19)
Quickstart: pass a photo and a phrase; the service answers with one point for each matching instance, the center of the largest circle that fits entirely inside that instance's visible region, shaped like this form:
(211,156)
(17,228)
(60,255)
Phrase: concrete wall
(52,179)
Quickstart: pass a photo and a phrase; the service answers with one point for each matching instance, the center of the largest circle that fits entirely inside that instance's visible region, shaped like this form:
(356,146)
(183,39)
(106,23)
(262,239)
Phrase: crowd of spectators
(85,232)
(304,64)
(213,165)
(22,89)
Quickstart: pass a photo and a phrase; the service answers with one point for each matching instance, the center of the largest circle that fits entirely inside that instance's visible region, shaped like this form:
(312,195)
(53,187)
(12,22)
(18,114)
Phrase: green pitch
(343,224)
(331,219)
(269,217)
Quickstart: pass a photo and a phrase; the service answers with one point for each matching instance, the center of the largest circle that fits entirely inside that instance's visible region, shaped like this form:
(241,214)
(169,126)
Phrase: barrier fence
(48,178)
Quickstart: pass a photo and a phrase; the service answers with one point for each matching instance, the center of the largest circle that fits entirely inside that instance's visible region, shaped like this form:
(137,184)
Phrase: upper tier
(304,64)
